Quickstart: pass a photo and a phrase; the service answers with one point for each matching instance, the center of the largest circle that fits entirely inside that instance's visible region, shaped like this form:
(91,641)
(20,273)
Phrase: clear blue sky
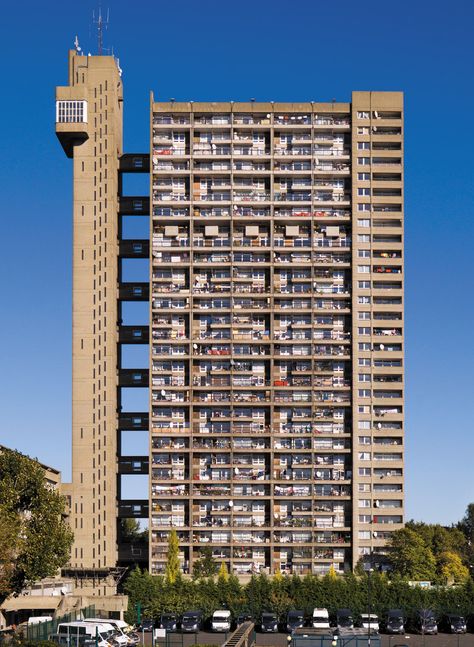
(270,50)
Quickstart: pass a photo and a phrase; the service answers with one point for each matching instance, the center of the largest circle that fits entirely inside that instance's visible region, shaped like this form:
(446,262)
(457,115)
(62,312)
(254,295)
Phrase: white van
(120,627)
(77,633)
(35,620)
(221,620)
(320,619)
(370,620)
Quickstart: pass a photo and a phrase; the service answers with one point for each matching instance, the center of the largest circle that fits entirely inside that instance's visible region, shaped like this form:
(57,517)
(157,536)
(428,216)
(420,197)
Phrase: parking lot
(280,640)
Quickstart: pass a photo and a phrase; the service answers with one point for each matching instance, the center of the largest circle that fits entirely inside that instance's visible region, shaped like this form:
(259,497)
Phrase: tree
(173,570)
(35,538)
(132,532)
(223,575)
(411,558)
(141,588)
(451,568)
(206,565)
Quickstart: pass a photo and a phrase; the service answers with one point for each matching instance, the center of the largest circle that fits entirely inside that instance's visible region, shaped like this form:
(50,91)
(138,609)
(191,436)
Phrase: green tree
(132,532)
(451,568)
(35,538)
(141,588)
(206,565)
(173,570)
(410,557)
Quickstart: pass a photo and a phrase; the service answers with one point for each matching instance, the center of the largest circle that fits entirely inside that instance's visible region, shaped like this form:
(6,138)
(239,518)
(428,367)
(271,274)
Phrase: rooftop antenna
(76,45)
(101,27)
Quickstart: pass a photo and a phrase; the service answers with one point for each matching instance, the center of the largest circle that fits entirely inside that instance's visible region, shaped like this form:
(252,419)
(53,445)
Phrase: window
(363,130)
(364,377)
(362,115)
(364,393)
(365,440)
(365,471)
(363,146)
(364,487)
(365,518)
(364,361)
(364,346)
(364,534)
(363,177)
(363,223)
(363,331)
(364,316)
(364,285)
(363,161)
(364,503)
(363,238)
(363,253)
(71,112)
(363,191)
(363,300)
(363,424)
(365,206)
(363,269)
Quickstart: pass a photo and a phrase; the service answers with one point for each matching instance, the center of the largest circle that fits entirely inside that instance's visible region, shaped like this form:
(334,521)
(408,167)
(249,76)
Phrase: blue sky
(270,50)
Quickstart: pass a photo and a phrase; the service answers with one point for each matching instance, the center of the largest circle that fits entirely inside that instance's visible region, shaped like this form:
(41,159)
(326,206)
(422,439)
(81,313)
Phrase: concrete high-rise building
(275,332)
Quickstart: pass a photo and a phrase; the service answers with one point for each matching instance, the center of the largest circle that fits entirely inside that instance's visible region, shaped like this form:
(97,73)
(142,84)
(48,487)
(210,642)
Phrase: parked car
(169,621)
(320,619)
(294,620)
(147,625)
(395,623)
(243,617)
(191,622)
(269,623)
(455,624)
(370,621)
(344,619)
(221,620)
(425,622)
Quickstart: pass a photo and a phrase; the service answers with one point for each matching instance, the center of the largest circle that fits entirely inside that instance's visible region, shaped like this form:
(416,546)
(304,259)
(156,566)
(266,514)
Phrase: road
(281,640)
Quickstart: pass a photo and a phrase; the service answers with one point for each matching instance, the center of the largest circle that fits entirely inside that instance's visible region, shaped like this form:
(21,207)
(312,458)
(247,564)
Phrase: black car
(294,620)
(395,623)
(425,622)
(243,617)
(191,622)
(344,619)
(269,623)
(147,625)
(455,624)
(169,621)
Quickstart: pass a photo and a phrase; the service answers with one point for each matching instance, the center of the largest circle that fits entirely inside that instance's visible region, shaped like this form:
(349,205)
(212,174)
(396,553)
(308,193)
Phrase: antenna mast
(101,27)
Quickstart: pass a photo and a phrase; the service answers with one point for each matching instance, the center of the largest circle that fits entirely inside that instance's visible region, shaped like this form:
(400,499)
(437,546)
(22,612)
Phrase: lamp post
(334,641)
(369,595)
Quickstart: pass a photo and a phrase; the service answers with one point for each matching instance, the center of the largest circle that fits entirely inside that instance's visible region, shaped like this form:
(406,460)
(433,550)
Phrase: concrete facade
(275,377)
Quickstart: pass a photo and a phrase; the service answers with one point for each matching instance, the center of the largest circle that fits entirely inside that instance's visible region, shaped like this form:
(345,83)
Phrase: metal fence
(44,630)
(329,640)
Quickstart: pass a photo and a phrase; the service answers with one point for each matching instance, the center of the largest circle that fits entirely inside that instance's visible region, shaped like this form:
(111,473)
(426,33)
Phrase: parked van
(320,619)
(191,622)
(118,626)
(269,623)
(79,633)
(35,620)
(294,620)
(344,619)
(370,621)
(426,622)
(395,622)
(221,620)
